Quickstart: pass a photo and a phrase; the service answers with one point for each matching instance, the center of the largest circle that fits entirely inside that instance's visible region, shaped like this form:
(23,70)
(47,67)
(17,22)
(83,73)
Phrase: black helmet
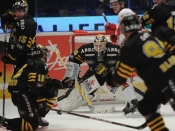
(39,51)
(128,20)
(21,5)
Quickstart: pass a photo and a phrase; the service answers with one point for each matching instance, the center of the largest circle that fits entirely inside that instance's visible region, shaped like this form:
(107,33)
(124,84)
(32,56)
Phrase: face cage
(99,46)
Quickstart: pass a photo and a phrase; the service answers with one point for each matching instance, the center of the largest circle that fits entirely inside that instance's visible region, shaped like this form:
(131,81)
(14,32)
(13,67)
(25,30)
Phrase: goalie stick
(102,120)
(77,85)
(58,54)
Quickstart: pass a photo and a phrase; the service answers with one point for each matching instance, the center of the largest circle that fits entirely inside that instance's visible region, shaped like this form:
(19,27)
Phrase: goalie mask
(128,21)
(100,46)
(40,51)
(20,5)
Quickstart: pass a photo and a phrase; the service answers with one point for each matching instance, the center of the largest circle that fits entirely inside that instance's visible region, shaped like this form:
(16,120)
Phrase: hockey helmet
(40,51)
(160,2)
(128,21)
(100,46)
(21,5)
(111,1)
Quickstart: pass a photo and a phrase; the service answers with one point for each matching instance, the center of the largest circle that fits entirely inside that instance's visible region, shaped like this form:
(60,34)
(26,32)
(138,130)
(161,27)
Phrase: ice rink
(67,122)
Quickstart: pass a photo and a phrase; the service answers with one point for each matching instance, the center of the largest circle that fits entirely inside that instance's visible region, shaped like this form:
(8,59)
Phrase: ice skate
(127,107)
(43,122)
(131,108)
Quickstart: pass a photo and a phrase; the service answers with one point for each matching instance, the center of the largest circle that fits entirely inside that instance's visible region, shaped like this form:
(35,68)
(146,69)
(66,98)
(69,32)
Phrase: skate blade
(135,114)
(42,128)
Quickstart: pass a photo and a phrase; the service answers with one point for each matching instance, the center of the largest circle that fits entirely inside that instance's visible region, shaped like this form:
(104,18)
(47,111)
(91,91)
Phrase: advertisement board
(60,42)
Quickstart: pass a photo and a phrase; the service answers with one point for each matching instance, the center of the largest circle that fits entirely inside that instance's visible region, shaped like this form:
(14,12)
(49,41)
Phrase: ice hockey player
(116,37)
(23,32)
(101,57)
(22,37)
(111,28)
(161,17)
(149,56)
(33,92)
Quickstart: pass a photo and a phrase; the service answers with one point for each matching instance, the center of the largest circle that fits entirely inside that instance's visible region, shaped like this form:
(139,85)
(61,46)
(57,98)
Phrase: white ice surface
(67,122)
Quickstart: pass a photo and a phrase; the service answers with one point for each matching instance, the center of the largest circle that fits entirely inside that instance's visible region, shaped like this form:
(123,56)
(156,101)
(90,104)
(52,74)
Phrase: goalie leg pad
(71,101)
(90,85)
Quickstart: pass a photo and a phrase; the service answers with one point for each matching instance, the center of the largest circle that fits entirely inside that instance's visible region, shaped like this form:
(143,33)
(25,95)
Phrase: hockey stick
(4,77)
(88,101)
(56,52)
(102,120)
(101,8)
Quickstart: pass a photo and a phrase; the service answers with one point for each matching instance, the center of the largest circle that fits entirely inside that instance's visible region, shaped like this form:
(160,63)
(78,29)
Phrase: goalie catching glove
(67,83)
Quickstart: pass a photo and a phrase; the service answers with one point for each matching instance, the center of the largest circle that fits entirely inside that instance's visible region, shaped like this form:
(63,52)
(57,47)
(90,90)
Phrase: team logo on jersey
(111,62)
(87,85)
(90,61)
(101,70)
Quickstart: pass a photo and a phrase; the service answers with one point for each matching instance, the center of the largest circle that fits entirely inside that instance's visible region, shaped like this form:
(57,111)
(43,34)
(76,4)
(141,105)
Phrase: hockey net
(77,40)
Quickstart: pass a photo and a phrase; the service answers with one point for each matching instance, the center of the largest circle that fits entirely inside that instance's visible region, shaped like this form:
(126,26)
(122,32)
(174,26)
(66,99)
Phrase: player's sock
(156,123)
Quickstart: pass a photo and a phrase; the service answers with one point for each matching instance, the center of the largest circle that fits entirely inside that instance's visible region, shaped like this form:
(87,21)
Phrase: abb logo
(91,82)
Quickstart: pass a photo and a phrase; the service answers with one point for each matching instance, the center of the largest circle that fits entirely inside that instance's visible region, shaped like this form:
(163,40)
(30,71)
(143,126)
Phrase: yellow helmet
(100,43)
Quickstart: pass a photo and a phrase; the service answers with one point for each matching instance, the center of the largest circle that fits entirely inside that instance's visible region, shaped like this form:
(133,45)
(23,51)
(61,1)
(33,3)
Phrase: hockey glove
(41,106)
(7,19)
(114,38)
(68,83)
(112,29)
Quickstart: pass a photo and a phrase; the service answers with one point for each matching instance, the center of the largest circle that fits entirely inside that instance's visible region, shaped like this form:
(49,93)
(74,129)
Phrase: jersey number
(152,49)
(171,22)
(30,42)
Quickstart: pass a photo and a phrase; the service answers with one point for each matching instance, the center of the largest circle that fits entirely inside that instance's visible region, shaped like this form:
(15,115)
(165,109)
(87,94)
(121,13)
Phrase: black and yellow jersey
(101,69)
(149,57)
(32,74)
(22,38)
(162,20)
